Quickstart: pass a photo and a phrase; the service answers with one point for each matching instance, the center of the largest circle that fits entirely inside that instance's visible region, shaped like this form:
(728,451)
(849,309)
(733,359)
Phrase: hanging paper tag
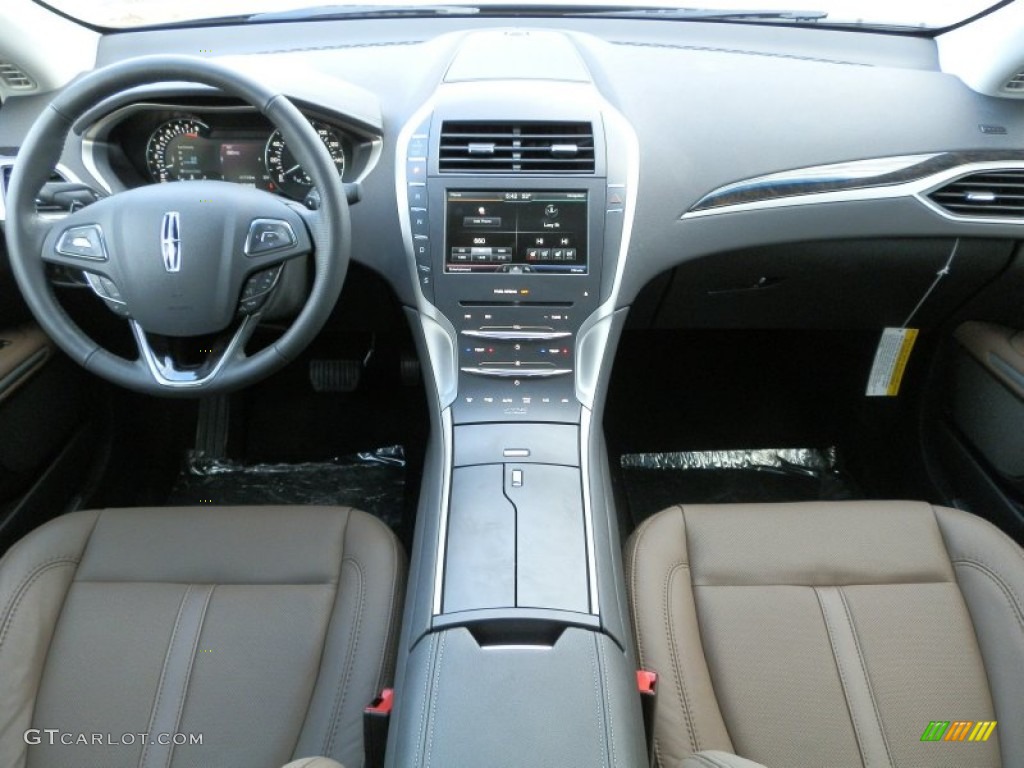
(891,361)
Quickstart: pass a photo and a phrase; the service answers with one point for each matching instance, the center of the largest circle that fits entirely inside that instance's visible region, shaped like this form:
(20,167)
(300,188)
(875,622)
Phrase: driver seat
(263,631)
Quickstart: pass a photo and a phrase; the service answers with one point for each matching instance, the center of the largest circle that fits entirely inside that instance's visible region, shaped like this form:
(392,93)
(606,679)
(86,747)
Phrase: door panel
(23,351)
(988,395)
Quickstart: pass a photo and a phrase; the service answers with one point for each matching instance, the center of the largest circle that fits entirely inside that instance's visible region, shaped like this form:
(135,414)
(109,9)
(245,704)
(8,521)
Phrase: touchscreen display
(516,232)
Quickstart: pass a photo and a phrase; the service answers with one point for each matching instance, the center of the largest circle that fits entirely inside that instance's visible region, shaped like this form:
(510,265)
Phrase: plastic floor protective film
(373,481)
(654,481)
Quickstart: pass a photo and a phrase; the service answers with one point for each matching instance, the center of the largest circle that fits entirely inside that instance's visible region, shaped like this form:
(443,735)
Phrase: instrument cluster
(239,145)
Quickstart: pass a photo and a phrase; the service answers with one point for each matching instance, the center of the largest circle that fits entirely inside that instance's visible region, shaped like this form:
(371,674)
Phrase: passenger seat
(830,634)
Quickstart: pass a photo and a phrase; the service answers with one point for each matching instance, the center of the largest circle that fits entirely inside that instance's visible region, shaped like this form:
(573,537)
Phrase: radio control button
(416,170)
(418,195)
(418,219)
(417,147)
(421,249)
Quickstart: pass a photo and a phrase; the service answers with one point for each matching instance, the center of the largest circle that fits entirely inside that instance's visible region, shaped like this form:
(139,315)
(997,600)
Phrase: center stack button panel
(516,362)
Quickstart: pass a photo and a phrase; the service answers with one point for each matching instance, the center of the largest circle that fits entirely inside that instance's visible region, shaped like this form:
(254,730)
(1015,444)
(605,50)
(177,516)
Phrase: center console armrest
(571,703)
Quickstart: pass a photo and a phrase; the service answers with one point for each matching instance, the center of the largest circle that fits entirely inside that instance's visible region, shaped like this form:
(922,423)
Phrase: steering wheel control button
(84,242)
(107,290)
(269,236)
(257,289)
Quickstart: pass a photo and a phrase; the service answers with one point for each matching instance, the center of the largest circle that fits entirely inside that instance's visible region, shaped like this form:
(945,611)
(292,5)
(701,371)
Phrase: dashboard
(685,161)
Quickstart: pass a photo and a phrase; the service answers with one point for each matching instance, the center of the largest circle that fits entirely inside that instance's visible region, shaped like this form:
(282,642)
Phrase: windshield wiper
(711,14)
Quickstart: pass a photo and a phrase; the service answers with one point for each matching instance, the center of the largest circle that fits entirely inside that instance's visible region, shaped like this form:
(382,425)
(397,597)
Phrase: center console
(515,214)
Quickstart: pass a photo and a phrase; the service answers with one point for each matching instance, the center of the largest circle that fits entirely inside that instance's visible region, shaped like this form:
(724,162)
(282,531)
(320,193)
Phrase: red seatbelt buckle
(382,704)
(646,681)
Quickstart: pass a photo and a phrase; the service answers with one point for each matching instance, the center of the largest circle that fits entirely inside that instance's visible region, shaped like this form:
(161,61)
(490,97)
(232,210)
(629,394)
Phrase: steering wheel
(183,259)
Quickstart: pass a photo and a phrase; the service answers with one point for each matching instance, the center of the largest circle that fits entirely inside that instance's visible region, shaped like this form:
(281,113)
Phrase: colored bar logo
(958,730)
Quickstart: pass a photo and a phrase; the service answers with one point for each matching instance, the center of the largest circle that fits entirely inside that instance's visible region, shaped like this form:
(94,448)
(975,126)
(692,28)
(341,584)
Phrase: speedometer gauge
(285,170)
(176,150)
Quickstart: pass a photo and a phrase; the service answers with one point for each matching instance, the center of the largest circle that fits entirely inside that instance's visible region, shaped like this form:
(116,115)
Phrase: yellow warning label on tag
(891,359)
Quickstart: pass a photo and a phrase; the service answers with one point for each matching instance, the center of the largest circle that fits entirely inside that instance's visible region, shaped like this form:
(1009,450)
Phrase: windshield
(914,14)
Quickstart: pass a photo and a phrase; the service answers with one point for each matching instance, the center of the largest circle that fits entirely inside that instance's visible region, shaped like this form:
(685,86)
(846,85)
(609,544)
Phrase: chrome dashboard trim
(447,459)
(818,178)
(439,338)
(237,343)
(586,417)
(918,188)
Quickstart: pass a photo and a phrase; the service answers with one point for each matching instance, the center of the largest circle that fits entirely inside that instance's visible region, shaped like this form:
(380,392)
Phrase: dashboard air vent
(516,147)
(14,78)
(988,194)
(1016,83)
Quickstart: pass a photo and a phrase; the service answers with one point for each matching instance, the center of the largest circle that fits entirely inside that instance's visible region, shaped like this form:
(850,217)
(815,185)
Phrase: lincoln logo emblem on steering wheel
(170,241)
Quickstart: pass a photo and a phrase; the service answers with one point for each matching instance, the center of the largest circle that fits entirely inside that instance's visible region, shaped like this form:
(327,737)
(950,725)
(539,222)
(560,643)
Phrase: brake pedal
(335,375)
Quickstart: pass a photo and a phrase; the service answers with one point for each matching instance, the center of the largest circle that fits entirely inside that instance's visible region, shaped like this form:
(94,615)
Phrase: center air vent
(991,194)
(516,147)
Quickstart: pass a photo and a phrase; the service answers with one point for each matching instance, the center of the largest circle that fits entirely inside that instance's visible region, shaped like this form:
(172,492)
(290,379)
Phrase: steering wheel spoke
(163,363)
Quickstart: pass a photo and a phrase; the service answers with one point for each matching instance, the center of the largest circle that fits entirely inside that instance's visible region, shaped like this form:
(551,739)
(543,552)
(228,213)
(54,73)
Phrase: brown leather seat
(262,630)
(830,634)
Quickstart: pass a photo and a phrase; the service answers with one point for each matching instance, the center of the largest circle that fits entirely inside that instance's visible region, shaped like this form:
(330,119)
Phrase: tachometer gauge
(177,150)
(285,170)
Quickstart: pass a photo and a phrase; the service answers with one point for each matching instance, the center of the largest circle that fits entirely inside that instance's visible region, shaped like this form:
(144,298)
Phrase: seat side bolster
(358,653)
(989,568)
(314,762)
(717,759)
(35,576)
(668,640)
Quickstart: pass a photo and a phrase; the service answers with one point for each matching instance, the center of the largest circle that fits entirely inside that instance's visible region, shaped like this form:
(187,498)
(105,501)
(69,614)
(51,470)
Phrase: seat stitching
(1006,589)
(163,674)
(390,614)
(188,675)
(1001,534)
(343,683)
(842,679)
(657,752)
(433,699)
(605,721)
(680,682)
(22,589)
(867,677)
(641,532)
(424,708)
(609,720)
